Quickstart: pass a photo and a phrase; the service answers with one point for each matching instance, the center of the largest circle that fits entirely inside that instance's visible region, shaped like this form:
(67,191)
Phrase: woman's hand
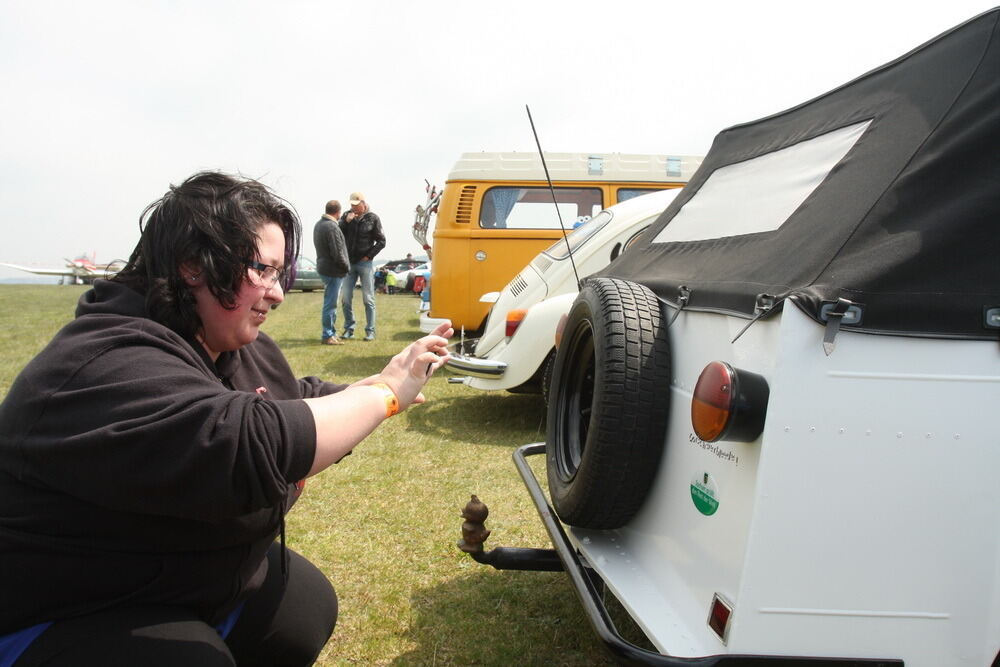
(407,372)
(345,418)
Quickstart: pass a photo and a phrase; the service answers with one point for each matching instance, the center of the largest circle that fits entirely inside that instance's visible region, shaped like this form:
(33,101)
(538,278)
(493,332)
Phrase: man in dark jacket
(363,233)
(332,265)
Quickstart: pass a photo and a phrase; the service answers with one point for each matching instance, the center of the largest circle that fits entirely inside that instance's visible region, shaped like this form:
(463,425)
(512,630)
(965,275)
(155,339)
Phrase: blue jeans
(366,273)
(329,314)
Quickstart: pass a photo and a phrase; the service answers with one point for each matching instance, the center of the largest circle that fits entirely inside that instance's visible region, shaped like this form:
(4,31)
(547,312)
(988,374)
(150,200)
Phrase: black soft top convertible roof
(905,224)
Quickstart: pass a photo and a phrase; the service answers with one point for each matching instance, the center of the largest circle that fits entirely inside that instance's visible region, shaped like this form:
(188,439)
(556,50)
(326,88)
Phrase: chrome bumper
(466,364)
(480,368)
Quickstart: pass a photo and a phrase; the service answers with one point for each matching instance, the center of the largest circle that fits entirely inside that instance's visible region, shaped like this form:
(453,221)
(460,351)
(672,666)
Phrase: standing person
(149,454)
(363,233)
(332,265)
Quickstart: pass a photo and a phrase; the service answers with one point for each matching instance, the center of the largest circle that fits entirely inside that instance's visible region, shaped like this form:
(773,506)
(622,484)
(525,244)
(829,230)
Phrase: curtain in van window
(502,200)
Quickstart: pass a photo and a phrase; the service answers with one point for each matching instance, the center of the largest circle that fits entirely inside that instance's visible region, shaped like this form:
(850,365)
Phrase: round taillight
(728,404)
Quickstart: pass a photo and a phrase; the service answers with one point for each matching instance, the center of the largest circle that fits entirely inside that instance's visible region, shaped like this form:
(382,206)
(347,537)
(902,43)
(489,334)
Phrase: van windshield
(576,238)
(531,208)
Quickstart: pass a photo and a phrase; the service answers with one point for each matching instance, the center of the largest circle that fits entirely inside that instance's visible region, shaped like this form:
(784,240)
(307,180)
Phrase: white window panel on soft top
(760,194)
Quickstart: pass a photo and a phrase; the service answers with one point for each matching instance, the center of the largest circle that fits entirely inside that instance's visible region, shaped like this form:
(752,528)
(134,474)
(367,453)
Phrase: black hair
(209,222)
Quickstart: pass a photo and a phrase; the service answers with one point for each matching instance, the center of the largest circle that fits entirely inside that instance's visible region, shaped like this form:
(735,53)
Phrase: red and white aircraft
(80,271)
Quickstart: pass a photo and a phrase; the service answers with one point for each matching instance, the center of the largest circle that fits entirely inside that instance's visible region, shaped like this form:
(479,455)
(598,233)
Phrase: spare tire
(608,404)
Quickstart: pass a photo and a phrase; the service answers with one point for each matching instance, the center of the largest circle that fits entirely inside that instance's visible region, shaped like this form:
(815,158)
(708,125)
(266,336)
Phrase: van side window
(531,208)
(624,194)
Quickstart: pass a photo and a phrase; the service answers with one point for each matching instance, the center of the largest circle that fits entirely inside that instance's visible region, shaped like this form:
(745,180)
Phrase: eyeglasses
(269,275)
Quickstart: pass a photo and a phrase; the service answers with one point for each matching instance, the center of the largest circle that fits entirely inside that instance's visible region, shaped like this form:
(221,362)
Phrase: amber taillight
(728,404)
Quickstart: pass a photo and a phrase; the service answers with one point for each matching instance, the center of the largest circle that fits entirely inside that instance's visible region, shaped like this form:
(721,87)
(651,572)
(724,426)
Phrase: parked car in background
(517,348)
(405,272)
(498,211)
(406,275)
(772,428)
(307,278)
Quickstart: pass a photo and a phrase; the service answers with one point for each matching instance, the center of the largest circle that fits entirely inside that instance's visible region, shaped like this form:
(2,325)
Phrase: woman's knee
(309,610)
(153,636)
(286,622)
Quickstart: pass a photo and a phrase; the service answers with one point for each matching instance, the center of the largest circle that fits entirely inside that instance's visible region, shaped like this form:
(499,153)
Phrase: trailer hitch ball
(474,531)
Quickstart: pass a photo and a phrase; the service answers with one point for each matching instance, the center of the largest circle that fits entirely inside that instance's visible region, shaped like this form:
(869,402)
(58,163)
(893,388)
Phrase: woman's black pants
(281,625)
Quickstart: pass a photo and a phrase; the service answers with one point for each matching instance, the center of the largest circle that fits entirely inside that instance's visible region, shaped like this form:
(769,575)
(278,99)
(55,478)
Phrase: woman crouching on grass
(149,453)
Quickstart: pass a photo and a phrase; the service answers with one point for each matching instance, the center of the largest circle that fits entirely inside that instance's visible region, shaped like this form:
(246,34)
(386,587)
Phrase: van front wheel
(608,404)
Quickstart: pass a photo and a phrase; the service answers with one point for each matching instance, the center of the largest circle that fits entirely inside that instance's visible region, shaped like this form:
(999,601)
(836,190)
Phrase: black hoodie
(134,470)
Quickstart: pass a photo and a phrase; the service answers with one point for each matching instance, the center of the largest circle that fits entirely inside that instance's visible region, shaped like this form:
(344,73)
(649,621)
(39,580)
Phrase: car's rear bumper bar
(598,616)
(476,367)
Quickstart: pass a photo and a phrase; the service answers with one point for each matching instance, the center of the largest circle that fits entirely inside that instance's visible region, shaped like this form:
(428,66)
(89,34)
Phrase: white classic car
(517,348)
(772,428)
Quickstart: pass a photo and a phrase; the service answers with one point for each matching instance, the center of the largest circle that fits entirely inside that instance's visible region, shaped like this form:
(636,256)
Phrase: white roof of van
(575,167)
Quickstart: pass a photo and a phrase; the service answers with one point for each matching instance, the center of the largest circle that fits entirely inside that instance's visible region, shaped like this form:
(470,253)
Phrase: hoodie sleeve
(312,386)
(263,364)
(141,428)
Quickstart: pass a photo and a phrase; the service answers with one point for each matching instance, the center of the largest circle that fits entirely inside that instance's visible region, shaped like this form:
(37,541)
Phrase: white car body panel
(827,492)
(535,338)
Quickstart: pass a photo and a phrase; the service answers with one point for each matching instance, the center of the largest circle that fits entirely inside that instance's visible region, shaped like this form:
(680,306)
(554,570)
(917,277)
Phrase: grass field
(383,523)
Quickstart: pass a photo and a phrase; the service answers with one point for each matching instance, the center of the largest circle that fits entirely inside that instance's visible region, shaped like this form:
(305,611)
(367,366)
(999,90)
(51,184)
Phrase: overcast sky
(104,104)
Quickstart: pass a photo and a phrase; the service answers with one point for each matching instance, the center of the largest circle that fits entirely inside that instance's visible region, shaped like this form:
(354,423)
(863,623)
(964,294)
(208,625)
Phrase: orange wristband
(391,402)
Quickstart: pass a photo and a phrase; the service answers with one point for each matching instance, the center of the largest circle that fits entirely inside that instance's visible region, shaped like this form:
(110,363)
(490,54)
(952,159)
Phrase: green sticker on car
(705,494)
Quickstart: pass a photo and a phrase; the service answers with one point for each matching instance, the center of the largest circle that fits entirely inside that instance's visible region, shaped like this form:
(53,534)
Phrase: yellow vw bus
(496,213)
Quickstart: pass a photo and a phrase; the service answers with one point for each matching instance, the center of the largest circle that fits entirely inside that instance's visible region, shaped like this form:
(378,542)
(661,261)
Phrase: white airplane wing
(77,273)
(64,271)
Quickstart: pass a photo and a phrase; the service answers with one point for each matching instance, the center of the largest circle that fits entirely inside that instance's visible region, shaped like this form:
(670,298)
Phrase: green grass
(383,523)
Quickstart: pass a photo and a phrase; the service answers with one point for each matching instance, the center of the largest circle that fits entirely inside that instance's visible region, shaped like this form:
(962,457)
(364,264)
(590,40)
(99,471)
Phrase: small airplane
(80,271)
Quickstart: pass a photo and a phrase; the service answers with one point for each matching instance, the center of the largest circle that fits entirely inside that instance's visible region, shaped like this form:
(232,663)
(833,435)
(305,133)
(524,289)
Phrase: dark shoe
(332,340)
(348,334)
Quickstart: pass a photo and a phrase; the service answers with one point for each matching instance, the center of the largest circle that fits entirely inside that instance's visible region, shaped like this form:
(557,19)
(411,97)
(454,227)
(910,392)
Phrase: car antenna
(569,249)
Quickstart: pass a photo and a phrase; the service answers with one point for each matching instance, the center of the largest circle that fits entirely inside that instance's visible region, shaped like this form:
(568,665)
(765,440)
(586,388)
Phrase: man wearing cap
(363,234)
